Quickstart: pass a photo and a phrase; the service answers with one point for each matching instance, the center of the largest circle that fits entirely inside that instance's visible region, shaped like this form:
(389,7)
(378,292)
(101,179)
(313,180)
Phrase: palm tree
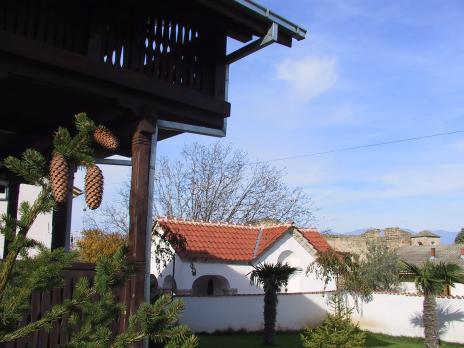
(272,277)
(432,279)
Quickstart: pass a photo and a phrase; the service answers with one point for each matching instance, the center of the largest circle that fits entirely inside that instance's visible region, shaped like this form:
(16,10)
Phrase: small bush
(96,244)
(337,331)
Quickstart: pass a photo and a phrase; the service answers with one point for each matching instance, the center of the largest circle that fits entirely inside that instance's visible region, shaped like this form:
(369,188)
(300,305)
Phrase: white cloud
(308,77)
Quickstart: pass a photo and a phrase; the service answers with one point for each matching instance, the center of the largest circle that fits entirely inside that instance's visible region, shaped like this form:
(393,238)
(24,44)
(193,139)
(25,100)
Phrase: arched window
(290,258)
(210,285)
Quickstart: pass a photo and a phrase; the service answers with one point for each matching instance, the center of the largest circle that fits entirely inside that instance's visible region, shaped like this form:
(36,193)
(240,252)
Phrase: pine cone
(93,187)
(105,138)
(59,172)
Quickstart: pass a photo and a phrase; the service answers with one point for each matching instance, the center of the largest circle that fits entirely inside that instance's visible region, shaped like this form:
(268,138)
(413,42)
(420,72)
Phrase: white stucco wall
(220,313)
(396,315)
(3,210)
(238,274)
(300,258)
(457,290)
(41,228)
(401,315)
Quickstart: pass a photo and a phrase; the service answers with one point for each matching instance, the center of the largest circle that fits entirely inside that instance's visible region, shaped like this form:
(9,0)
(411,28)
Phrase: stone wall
(428,241)
(394,237)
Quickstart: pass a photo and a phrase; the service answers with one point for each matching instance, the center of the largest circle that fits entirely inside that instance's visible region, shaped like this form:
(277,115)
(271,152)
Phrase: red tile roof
(315,238)
(228,242)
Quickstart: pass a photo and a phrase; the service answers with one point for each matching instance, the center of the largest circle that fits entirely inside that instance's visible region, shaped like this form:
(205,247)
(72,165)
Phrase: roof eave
(295,30)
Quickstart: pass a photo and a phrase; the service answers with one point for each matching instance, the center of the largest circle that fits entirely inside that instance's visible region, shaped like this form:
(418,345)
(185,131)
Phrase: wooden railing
(42,302)
(159,46)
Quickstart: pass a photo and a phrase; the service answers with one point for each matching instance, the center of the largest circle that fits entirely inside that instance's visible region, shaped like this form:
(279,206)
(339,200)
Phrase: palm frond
(433,277)
(275,275)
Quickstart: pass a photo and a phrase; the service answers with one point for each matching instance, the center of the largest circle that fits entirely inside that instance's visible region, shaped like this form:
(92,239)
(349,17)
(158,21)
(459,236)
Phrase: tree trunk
(270,314)
(430,321)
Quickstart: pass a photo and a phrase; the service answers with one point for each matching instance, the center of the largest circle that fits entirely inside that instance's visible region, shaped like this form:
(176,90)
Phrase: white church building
(218,257)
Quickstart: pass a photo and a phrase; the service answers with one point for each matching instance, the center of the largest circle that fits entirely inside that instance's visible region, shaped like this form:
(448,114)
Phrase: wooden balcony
(111,59)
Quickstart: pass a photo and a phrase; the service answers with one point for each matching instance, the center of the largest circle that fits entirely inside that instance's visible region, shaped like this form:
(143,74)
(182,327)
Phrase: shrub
(96,244)
(337,331)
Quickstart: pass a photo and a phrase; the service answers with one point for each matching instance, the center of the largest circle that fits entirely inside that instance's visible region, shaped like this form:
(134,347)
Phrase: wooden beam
(137,289)
(12,207)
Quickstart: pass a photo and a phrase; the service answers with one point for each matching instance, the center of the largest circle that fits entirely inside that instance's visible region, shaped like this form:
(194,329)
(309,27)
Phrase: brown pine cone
(93,186)
(59,172)
(105,138)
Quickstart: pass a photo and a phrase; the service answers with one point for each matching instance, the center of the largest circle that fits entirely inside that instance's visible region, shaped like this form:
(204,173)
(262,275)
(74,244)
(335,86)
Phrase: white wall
(41,229)
(219,313)
(397,315)
(300,258)
(238,274)
(401,315)
(3,210)
(457,290)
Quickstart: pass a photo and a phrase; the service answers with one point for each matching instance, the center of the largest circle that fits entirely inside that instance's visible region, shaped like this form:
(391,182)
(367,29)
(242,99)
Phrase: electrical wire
(350,148)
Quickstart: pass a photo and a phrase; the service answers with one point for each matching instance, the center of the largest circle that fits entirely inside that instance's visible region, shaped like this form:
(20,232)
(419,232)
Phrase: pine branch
(57,312)
(43,203)
(93,310)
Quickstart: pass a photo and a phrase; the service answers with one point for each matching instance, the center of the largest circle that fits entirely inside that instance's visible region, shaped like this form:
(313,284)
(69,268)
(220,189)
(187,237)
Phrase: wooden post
(12,207)
(61,220)
(137,289)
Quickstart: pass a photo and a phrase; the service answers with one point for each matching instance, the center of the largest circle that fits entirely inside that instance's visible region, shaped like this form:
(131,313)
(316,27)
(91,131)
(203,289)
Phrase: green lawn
(292,340)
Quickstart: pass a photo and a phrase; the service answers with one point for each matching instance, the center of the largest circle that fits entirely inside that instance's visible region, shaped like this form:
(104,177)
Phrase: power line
(343,149)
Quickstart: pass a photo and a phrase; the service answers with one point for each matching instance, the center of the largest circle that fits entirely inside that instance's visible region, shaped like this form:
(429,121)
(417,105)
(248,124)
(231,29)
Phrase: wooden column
(61,220)
(12,207)
(140,214)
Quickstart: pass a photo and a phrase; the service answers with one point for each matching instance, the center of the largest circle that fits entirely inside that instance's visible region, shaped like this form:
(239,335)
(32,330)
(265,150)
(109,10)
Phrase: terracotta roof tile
(269,236)
(227,242)
(315,238)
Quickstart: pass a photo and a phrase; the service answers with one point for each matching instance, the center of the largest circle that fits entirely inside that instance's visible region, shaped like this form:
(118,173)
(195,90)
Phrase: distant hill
(446,237)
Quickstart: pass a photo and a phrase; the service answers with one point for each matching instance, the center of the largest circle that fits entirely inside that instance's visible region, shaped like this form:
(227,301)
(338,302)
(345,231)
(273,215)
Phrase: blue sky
(369,71)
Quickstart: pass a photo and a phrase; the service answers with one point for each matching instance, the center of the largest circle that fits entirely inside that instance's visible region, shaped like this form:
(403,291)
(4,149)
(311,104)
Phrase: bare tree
(219,183)
(111,217)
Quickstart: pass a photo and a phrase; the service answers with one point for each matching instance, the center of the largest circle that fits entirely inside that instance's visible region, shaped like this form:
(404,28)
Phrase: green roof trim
(253,7)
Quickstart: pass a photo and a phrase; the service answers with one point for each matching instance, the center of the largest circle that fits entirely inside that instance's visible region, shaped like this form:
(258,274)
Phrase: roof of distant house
(419,254)
(425,234)
(230,242)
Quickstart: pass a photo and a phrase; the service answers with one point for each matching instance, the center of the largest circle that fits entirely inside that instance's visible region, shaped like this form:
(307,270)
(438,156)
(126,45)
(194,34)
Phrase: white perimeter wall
(219,313)
(397,315)
(457,290)
(401,315)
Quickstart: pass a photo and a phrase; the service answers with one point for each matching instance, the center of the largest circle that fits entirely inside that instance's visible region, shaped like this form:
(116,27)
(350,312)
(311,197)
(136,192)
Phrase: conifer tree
(93,310)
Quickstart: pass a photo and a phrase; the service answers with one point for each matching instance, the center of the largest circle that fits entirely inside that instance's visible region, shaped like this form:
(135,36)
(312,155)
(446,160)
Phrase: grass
(292,340)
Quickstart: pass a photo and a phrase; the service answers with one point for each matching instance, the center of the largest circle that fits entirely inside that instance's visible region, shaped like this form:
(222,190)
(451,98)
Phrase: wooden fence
(43,302)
